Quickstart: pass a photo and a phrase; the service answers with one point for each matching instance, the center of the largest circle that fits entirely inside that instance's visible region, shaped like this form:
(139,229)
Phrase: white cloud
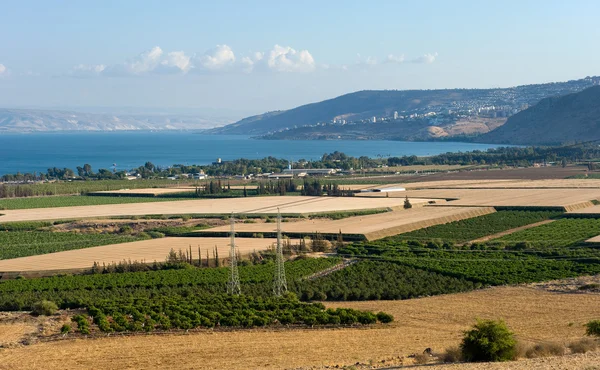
(85,70)
(286,59)
(395,59)
(143,63)
(176,61)
(219,58)
(425,59)
(222,59)
(3,70)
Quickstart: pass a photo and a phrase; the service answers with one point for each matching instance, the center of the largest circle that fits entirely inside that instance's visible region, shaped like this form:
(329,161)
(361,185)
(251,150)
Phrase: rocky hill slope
(556,120)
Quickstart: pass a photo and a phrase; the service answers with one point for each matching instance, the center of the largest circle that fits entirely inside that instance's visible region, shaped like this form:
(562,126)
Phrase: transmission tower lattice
(233,285)
(280,286)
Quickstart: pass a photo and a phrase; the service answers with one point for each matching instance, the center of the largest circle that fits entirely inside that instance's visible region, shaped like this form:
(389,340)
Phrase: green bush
(592,328)
(384,317)
(82,323)
(488,340)
(46,308)
(66,329)
(155,234)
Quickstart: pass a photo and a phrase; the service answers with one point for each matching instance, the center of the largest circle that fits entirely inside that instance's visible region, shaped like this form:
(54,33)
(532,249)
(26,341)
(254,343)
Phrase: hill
(423,113)
(556,120)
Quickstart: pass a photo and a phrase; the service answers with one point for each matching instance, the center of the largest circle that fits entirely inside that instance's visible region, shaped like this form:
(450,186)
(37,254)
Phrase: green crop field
(181,299)
(15,244)
(474,228)
(77,200)
(82,187)
(375,280)
(559,233)
(80,290)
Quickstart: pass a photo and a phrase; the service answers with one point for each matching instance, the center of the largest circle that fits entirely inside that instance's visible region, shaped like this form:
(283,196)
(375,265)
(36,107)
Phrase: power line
(280,283)
(233,285)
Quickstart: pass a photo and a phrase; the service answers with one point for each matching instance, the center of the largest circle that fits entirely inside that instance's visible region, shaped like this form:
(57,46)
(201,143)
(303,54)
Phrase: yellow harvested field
(570,199)
(420,168)
(372,226)
(147,191)
(501,184)
(14,332)
(595,239)
(287,204)
(434,322)
(588,211)
(534,184)
(145,250)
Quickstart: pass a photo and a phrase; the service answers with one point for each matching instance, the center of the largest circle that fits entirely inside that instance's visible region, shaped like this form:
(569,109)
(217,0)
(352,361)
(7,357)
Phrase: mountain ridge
(364,105)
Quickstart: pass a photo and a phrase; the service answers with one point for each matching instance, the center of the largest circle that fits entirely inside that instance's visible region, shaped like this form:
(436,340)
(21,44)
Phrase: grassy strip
(76,200)
(14,244)
(339,215)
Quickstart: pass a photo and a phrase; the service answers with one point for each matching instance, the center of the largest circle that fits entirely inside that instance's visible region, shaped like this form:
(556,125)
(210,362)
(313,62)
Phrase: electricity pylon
(280,286)
(233,285)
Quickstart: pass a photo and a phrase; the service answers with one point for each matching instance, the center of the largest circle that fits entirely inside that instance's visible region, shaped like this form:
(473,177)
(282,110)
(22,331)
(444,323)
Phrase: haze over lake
(39,151)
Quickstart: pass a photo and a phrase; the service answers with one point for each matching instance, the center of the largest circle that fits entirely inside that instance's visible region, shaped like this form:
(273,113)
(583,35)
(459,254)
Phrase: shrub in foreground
(452,355)
(65,329)
(545,350)
(592,328)
(488,340)
(46,308)
(583,346)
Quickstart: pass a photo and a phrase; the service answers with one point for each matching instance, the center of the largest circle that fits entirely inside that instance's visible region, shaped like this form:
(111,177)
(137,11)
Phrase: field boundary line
(508,232)
(327,271)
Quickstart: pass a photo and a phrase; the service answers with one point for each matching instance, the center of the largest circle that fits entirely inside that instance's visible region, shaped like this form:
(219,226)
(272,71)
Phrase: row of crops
(76,200)
(474,228)
(211,310)
(85,290)
(375,280)
(83,187)
(560,233)
(15,244)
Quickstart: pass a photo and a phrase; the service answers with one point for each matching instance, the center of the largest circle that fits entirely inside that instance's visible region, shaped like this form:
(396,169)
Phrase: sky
(244,57)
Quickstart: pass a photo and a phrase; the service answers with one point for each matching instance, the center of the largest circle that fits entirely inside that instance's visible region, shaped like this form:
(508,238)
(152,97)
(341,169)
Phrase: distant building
(395,115)
(374,119)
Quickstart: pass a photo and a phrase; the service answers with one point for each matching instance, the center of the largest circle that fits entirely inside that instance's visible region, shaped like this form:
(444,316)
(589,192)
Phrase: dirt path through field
(508,232)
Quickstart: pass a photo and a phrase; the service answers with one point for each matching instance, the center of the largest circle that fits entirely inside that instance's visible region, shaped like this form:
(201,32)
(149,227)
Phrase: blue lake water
(37,152)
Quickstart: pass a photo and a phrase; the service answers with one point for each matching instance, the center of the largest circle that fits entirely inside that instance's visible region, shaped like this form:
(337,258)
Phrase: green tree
(488,340)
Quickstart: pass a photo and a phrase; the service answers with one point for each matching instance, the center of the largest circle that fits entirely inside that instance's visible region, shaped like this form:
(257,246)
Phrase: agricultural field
(83,187)
(141,250)
(369,280)
(485,266)
(87,290)
(74,200)
(569,198)
(473,228)
(260,205)
(432,322)
(14,244)
(370,226)
(560,233)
